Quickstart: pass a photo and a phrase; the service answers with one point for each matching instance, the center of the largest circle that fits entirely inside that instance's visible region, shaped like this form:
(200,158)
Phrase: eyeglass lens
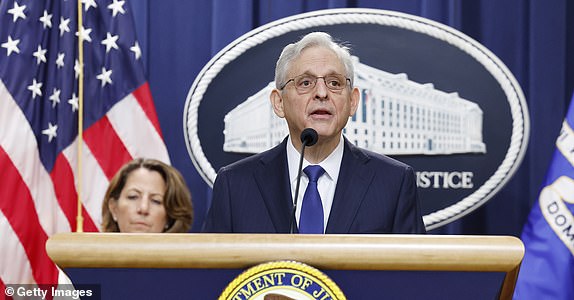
(305,82)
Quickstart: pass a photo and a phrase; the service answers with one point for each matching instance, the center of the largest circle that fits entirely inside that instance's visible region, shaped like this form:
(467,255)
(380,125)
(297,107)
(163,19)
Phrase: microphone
(309,138)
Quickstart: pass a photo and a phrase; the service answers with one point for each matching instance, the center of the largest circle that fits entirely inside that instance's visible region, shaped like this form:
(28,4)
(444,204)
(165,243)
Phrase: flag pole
(79,218)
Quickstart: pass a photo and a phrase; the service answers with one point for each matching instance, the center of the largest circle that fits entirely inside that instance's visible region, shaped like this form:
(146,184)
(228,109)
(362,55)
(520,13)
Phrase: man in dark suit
(344,189)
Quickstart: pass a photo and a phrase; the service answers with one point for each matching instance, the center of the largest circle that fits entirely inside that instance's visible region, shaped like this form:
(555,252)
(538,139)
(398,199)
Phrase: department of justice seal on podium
(282,280)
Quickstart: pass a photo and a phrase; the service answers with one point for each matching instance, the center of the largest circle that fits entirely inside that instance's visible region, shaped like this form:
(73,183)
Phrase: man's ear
(277,103)
(355,96)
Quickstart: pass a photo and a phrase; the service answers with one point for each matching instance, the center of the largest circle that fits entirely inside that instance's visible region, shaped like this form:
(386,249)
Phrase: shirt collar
(331,164)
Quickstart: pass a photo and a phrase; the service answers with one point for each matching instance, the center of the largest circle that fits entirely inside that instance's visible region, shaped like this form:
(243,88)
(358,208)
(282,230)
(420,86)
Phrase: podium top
(343,252)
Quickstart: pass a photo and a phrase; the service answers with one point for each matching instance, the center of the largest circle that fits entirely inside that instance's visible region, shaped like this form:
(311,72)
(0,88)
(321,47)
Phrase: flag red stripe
(65,189)
(2,289)
(89,225)
(106,146)
(64,186)
(22,215)
(143,96)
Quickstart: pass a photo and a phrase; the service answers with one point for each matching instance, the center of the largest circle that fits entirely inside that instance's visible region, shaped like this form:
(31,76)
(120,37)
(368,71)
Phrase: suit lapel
(272,177)
(354,179)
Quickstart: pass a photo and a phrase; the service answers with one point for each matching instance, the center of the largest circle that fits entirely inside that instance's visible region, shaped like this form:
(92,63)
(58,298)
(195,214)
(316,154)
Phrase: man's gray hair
(313,39)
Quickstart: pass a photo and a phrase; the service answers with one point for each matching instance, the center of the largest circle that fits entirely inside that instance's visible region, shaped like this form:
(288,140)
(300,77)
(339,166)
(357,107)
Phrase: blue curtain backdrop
(533,38)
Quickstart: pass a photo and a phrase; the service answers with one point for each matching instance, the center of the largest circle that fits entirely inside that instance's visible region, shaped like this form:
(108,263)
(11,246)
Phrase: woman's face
(140,207)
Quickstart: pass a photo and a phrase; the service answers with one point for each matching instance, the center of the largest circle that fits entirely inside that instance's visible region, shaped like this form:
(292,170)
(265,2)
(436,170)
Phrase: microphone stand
(293,219)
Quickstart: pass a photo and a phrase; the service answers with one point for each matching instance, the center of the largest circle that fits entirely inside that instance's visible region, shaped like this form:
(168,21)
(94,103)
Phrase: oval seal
(431,97)
(282,280)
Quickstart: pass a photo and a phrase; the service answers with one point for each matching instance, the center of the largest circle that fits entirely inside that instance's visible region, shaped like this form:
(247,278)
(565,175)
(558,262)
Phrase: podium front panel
(201,266)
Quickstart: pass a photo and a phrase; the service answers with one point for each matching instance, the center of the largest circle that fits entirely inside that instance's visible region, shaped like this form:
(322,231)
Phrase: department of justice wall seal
(282,280)
(431,97)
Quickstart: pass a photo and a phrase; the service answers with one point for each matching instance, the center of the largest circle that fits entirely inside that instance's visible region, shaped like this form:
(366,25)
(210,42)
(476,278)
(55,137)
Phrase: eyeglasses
(305,83)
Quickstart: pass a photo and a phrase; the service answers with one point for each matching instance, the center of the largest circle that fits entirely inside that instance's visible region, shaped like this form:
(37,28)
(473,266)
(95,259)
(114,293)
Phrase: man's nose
(321,90)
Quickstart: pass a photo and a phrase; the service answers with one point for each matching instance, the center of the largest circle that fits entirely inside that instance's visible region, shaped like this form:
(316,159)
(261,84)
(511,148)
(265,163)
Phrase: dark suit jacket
(374,194)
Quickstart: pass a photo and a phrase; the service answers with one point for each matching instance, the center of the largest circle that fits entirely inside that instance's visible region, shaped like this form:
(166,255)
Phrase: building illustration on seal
(395,116)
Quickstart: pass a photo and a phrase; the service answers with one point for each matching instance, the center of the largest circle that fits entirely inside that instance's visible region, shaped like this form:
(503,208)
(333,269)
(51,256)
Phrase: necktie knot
(314,172)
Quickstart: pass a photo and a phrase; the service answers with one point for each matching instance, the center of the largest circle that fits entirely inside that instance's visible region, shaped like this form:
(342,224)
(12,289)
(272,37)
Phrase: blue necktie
(311,218)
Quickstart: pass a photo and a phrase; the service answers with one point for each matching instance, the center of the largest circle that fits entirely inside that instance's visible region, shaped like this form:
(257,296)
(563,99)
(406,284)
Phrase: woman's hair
(177,198)
(313,39)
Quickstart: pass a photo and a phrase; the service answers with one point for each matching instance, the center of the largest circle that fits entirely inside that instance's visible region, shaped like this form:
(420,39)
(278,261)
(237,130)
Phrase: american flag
(39,71)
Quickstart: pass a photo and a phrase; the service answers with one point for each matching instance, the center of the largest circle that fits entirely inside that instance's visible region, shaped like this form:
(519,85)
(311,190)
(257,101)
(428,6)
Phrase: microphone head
(309,136)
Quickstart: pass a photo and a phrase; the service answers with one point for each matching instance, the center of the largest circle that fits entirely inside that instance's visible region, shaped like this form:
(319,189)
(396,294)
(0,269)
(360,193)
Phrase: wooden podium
(200,266)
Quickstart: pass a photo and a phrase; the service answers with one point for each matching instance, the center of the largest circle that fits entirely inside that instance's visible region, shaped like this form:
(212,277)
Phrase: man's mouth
(320,113)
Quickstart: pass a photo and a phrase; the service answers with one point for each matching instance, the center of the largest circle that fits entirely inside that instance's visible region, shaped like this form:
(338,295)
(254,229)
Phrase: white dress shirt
(326,183)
